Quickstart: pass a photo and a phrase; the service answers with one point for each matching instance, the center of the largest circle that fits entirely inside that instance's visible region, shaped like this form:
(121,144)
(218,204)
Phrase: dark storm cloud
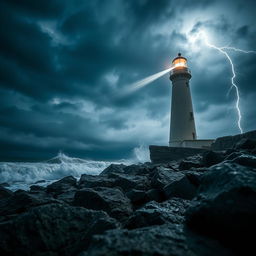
(64,65)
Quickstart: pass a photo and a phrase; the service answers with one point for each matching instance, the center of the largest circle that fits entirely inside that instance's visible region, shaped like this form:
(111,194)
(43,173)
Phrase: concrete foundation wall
(164,154)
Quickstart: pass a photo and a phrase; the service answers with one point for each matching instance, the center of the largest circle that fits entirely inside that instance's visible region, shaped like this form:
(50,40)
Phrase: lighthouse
(182,122)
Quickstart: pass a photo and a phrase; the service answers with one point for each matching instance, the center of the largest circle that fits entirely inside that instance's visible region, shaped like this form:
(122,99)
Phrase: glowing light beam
(202,35)
(145,81)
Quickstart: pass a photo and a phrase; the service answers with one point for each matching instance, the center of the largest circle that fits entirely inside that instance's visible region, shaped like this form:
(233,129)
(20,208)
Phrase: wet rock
(226,206)
(137,169)
(246,160)
(153,213)
(67,197)
(91,181)
(21,201)
(52,230)
(110,200)
(187,165)
(180,187)
(127,182)
(113,168)
(246,143)
(195,175)
(60,186)
(5,193)
(4,184)
(162,176)
(155,195)
(161,240)
(211,158)
(232,155)
(37,188)
(137,197)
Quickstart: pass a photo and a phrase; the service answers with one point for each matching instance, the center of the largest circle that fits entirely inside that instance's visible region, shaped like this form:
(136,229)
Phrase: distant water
(21,175)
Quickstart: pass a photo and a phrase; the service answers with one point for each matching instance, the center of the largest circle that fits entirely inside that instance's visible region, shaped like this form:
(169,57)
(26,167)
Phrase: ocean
(21,175)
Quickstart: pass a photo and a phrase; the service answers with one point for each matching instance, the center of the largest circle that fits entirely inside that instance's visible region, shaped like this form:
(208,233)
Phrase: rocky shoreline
(201,205)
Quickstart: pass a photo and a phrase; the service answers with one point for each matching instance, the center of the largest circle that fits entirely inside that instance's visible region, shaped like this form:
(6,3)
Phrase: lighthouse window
(187,84)
(191,116)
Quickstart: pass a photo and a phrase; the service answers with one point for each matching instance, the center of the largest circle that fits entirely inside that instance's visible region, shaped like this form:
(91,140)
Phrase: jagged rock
(233,155)
(67,197)
(164,240)
(195,175)
(110,200)
(4,184)
(52,230)
(153,213)
(4,192)
(155,195)
(21,201)
(163,176)
(180,187)
(137,169)
(211,158)
(60,186)
(127,182)
(246,160)
(37,188)
(246,143)
(187,165)
(90,181)
(113,168)
(137,197)
(228,142)
(226,208)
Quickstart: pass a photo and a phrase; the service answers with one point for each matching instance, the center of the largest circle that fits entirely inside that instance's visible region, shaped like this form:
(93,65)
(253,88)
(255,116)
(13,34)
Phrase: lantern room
(179,62)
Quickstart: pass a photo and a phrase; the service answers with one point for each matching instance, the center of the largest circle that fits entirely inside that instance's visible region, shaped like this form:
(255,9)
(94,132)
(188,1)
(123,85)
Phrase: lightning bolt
(202,35)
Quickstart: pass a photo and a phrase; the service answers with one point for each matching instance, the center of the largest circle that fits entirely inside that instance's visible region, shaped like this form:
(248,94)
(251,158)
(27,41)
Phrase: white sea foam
(21,175)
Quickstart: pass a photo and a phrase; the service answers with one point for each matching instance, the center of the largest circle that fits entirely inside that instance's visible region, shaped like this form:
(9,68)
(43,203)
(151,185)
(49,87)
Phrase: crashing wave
(53,169)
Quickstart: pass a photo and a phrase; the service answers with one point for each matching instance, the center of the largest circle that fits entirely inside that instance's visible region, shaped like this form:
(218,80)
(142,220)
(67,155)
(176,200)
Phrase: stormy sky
(65,63)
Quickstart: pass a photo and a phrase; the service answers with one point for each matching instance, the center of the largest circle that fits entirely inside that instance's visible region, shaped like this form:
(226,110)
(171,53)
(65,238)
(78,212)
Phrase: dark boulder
(113,168)
(195,175)
(4,192)
(67,197)
(246,143)
(110,200)
(226,206)
(4,184)
(91,181)
(164,240)
(233,155)
(60,186)
(137,197)
(22,201)
(155,195)
(180,187)
(187,165)
(245,160)
(52,230)
(153,213)
(37,188)
(163,176)
(127,182)
(211,158)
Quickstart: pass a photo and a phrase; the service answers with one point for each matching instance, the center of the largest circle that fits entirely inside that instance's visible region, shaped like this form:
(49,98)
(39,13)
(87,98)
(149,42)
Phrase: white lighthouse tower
(182,128)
